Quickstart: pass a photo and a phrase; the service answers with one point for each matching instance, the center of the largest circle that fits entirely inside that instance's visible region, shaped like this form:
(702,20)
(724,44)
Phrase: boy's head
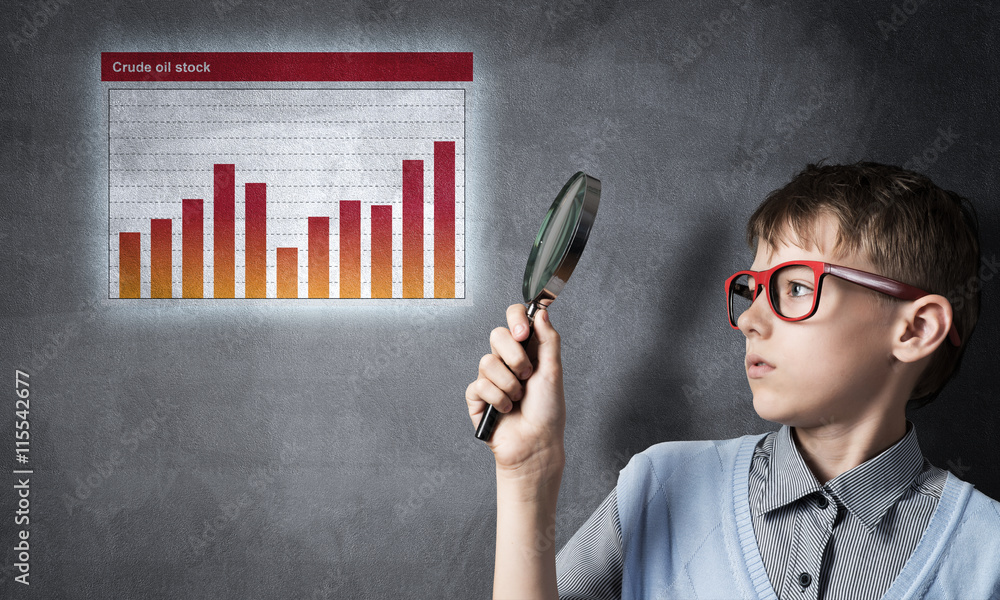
(878,219)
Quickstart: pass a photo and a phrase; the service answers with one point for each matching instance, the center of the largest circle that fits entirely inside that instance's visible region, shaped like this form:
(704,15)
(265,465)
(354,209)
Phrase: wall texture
(268,450)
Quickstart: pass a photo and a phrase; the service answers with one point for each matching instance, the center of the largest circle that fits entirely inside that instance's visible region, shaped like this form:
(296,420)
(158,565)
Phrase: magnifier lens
(554,238)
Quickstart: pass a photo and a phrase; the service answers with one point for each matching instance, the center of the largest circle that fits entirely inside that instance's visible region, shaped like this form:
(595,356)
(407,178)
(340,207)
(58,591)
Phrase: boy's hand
(528,439)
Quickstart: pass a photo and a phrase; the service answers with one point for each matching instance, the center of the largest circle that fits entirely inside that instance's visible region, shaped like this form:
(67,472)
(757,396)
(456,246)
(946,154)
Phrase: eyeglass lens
(792,291)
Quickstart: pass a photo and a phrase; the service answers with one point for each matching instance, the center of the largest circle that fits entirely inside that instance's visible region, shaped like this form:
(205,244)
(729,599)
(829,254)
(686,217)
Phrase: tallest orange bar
(444,219)
(224,230)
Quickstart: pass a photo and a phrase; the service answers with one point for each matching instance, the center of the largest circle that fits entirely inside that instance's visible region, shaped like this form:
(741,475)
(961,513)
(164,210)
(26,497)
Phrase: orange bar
(128,264)
(160,259)
(192,248)
(350,248)
(413,229)
(256,240)
(224,232)
(288,272)
(382,251)
(444,219)
(319,257)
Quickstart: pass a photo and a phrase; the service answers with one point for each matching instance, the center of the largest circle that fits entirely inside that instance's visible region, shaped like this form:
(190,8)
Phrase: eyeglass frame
(890,287)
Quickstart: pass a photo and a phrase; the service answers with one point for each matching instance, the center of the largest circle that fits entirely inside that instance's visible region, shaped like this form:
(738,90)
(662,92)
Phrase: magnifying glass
(557,249)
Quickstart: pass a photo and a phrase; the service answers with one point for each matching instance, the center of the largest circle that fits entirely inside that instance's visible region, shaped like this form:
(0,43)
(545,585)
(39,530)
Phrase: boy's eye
(798,290)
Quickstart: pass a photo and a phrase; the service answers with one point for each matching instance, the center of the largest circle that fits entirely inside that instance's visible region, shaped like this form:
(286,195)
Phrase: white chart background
(313,148)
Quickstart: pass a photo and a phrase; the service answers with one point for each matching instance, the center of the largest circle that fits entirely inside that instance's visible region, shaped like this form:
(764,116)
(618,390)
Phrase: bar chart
(307,193)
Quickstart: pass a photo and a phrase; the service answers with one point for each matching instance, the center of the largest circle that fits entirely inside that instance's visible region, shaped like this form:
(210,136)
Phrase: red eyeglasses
(793,290)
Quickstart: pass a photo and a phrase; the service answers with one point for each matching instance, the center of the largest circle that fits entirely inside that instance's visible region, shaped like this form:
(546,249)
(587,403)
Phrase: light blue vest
(686,531)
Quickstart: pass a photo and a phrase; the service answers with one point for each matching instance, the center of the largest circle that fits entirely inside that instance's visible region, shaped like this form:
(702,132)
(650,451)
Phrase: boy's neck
(831,449)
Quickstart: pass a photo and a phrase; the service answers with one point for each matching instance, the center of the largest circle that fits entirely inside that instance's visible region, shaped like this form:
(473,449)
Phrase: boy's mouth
(757,367)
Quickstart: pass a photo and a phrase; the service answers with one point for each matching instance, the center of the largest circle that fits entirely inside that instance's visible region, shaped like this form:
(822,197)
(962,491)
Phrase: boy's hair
(908,228)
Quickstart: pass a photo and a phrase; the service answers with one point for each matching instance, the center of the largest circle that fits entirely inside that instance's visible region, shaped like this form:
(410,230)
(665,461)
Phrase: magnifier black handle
(492,416)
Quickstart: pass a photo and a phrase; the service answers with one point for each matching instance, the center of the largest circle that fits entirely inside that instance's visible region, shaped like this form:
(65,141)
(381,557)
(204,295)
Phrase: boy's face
(830,368)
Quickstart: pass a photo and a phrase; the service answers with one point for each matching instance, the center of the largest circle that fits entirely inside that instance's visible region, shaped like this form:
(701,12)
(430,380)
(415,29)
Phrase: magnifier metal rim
(591,189)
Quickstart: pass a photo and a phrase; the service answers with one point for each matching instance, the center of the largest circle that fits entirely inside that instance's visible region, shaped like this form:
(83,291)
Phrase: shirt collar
(868,491)
(788,477)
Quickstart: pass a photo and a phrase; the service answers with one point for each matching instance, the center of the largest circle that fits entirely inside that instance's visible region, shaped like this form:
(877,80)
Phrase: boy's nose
(757,318)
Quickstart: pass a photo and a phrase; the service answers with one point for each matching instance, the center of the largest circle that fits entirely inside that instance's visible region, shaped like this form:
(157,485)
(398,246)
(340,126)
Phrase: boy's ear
(924,325)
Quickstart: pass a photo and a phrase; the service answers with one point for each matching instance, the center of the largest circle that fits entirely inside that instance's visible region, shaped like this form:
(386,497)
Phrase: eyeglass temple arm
(891,287)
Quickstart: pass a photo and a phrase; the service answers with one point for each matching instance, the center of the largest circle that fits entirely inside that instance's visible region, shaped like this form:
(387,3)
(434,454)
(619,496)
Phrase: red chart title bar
(286,66)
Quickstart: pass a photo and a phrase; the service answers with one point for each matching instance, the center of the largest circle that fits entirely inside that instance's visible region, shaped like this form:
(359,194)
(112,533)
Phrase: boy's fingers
(517,321)
(493,369)
(510,351)
(483,390)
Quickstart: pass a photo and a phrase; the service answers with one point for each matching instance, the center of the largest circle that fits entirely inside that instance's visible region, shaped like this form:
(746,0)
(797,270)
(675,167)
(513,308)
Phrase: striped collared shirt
(848,538)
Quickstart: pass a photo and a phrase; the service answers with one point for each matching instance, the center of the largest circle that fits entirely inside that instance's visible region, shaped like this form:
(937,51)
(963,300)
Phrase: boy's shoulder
(963,541)
(667,459)
(690,448)
(982,512)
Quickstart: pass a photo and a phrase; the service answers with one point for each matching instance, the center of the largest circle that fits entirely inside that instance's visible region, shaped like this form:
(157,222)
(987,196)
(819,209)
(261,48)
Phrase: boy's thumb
(548,337)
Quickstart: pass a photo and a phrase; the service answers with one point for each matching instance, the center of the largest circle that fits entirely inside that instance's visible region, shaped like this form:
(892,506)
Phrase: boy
(848,319)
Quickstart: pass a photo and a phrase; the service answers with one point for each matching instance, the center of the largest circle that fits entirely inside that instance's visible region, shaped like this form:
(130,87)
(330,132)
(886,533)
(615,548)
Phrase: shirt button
(805,579)
(823,502)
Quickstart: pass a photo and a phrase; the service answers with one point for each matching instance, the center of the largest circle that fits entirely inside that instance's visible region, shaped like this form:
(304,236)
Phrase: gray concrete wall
(312,450)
